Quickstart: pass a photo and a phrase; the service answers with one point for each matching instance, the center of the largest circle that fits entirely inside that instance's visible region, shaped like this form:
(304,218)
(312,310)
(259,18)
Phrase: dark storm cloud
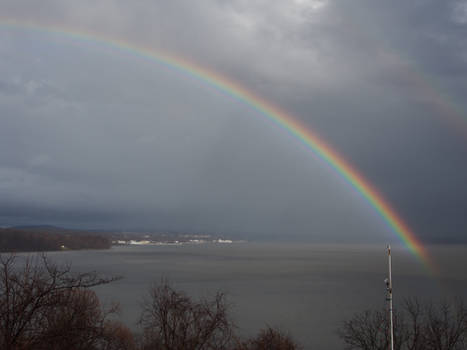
(94,137)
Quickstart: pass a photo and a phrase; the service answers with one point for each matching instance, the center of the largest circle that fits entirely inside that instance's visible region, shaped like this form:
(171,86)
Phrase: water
(305,289)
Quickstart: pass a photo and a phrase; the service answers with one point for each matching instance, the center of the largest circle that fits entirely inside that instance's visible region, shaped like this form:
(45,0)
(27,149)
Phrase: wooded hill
(49,239)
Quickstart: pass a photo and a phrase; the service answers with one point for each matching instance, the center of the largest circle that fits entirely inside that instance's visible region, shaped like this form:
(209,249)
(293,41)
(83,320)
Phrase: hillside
(47,239)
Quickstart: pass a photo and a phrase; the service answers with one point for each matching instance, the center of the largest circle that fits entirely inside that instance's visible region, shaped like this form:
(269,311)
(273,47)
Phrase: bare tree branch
(418,326)
(43,303)
(172,320)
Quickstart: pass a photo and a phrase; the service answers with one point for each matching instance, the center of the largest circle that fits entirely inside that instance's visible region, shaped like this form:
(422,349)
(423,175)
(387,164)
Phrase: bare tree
(413,330)
(78,321)
(417,326)
(43,303)
(369,330)
(172,321)
(445,326)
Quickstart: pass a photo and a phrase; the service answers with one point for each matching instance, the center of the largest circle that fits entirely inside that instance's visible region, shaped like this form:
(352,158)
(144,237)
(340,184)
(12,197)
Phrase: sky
(92,136)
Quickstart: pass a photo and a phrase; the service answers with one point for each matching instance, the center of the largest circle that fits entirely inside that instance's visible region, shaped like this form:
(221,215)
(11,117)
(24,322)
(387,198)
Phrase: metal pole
(389,288)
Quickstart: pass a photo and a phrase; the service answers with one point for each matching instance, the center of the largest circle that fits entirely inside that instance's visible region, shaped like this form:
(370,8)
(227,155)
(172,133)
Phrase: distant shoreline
(173,243)
(19,240)
(56,239)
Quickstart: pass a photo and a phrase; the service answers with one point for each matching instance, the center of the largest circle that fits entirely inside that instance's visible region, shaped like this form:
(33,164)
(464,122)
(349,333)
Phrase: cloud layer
(94,137)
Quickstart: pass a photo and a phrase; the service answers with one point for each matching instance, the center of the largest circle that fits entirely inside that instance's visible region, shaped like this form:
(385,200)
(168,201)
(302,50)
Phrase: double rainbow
(278,116)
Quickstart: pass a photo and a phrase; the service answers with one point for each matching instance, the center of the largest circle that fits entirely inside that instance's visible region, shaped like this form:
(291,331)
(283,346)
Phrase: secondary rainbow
(278,116)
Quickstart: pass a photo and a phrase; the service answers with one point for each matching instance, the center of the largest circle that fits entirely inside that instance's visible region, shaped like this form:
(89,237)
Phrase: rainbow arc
(284,120)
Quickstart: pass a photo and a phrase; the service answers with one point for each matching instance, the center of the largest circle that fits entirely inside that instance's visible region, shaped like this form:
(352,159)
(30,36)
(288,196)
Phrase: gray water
(305,289)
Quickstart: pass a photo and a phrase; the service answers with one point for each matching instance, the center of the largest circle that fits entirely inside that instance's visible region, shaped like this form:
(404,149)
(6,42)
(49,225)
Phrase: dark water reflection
(304,288)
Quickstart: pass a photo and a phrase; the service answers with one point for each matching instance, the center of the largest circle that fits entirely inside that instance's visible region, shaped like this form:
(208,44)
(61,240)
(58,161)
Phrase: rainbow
(428,88)
(281,118)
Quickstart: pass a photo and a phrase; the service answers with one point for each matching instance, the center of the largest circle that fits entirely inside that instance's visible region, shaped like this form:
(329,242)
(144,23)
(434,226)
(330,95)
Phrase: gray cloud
(93,136)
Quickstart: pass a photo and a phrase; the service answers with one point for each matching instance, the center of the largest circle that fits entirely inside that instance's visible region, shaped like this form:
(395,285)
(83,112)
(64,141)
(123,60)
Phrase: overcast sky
(94,137)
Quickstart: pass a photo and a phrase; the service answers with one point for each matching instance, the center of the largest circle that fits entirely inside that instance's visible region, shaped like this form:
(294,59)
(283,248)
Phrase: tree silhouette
(45,306)
(417,326)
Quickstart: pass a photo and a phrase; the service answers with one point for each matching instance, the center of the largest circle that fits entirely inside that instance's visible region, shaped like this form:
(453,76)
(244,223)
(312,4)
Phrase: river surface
(305,289)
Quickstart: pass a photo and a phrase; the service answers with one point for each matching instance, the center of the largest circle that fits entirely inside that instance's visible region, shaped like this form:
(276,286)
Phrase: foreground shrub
(269,339)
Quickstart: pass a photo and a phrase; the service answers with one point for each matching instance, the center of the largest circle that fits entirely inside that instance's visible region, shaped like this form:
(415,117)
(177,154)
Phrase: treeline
(39,240)
(44,306)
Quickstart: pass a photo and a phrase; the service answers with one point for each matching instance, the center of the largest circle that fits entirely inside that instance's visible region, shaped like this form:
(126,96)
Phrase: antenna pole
(389,299)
